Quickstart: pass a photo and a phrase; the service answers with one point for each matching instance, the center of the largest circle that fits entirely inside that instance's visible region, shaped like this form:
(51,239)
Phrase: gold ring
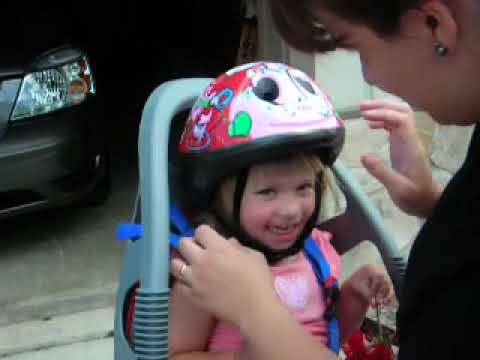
(182,271)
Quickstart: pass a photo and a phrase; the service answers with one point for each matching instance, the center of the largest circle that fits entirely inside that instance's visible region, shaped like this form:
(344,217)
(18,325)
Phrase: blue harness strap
(180,222)
(321,268)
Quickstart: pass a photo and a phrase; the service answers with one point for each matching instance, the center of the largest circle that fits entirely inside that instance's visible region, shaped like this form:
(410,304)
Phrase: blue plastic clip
(130,232)
(135,231)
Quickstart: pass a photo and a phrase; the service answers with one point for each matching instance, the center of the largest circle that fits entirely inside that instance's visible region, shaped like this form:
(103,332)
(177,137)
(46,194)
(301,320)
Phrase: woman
(426,52)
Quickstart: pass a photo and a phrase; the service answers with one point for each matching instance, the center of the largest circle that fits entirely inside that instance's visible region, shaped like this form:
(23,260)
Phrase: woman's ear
(441,20)
(434,22)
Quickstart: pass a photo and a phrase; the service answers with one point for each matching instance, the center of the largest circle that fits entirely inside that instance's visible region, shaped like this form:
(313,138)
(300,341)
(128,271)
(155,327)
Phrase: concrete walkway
(92,350)
(84,335)
(66,260)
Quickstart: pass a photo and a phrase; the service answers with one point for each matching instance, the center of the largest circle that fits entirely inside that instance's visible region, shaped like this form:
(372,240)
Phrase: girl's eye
(305,187)
(266,192)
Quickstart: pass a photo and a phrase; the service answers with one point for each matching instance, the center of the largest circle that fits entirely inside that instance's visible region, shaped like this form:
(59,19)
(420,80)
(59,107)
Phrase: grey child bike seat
(146,262)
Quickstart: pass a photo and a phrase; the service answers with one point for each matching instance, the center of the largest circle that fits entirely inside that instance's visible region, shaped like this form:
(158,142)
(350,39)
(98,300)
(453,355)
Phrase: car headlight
(54,88)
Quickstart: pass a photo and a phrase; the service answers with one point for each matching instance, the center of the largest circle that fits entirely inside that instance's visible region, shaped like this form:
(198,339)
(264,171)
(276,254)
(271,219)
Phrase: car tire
(101,192)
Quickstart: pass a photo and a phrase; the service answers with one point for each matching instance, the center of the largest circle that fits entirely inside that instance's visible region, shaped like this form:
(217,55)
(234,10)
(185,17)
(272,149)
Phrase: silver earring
(441,50)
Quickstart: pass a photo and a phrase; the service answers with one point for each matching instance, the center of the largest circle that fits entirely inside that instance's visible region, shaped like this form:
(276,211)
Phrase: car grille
(8,94)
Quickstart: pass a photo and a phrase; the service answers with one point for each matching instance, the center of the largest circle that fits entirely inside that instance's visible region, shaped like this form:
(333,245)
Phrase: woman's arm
(366,287)
(235,284)
(190,328)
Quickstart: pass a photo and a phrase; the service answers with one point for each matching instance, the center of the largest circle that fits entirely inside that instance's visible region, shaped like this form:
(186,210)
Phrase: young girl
(253,156)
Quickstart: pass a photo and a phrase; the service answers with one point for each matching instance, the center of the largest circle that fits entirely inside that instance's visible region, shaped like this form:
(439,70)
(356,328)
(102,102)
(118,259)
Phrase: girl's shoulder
(324,241)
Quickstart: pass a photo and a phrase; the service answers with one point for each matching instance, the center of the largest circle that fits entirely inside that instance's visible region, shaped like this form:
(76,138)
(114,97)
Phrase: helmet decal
(241,125)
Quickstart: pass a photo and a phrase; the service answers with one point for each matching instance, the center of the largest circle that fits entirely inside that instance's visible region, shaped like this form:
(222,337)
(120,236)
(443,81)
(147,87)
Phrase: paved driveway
(68,259)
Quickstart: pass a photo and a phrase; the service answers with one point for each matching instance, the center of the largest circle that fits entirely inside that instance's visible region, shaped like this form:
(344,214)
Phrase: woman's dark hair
(297,23)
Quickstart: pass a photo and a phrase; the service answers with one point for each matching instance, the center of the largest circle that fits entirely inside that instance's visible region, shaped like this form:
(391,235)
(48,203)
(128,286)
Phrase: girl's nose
(289,208)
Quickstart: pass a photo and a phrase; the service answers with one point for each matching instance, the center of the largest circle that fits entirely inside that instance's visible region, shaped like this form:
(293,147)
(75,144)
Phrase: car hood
(18,62)
(13,63)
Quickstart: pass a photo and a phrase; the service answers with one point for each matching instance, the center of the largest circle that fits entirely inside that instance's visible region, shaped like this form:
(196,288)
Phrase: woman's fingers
(174,253)
(388,114)
(381,171)
(390,118)
(384,291)
(234,242)
(384,103)
(207,237)
(181,271)
(175,266)
(390,295)
(376,124)
(190,250)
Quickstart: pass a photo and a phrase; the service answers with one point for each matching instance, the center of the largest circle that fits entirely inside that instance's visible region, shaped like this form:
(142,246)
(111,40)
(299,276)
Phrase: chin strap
(240,182)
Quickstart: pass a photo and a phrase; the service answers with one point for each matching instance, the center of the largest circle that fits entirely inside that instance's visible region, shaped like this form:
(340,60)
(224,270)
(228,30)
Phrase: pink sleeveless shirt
(297,287)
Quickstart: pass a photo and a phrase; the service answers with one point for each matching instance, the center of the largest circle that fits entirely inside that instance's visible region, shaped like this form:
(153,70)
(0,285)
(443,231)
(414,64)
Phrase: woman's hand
(409,182)
(368,286)
(372,285)
(228,280)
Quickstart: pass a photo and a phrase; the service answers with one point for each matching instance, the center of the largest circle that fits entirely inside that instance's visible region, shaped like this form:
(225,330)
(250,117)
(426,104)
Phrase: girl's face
(278,201)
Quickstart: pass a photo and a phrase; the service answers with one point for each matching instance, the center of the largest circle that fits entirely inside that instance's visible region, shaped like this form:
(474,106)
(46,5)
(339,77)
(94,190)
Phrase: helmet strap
(240,183)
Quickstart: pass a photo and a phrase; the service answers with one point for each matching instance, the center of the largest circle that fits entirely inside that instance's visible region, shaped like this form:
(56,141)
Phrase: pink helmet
(253,113)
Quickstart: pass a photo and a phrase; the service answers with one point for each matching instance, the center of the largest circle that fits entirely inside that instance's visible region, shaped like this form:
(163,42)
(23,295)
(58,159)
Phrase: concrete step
(58,303)
(79,331)
(101,349)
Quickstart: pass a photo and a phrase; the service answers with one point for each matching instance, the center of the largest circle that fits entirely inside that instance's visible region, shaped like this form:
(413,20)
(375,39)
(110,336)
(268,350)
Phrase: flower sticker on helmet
(241,125)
